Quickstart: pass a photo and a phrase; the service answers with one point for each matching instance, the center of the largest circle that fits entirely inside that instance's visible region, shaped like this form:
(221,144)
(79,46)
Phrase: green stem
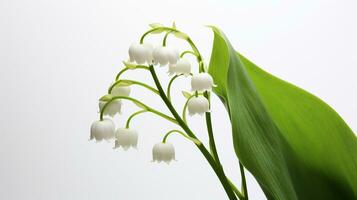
(212,143)
(235,190)
(216,168)
(162,115)
(184,109)
(196,141)
(165,38)
(140,104)
(156,29)
(121,72)
(197,52)
(188,52)
(244,183)
(133,115)
(168,92)
(126,69)
(132,82)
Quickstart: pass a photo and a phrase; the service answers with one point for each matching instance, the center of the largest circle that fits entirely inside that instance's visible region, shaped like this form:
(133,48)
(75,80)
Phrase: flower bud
(140,53)
(163,152)
(165,55)
(126,138)
(113,107)
(121,90)
(202,82)
(183,66)
(197,105)
(102,130)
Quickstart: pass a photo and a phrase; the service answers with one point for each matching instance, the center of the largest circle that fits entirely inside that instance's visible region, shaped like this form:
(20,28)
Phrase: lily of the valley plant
(146,56)
(295,145)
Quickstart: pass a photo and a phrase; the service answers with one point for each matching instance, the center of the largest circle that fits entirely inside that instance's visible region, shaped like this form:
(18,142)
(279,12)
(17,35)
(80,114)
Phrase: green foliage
(186,94)
(295,145)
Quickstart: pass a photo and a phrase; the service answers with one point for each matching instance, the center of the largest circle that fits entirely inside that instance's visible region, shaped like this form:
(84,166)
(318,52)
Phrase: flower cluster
(145,55)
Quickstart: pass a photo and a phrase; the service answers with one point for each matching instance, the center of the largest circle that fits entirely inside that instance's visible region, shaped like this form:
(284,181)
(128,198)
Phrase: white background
(58,57)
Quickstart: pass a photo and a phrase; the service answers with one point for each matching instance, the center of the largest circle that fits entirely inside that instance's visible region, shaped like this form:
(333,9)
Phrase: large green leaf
(294,144)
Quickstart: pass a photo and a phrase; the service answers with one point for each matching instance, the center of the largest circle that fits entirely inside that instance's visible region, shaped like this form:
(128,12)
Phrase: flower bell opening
(164,55)
(183,66)
(163,152)
(102,130)
(112,108)
(198,105)
(202,82)
(126,138)
(140,53)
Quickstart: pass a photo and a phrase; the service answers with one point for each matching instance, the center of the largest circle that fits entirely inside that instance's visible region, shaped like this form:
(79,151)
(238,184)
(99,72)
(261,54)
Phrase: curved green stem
(188,52)
(156,29)
(127,68)
(162,115)
(184,109)
(196,141)
(168,92)
(127,125)
(165,38)
(216,168)
(138,103)
(121,72)
(197,52)
(132,82)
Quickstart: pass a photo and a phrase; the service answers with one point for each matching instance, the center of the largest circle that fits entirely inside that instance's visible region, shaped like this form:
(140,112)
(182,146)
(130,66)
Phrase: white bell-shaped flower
(126,138)
(164,55)
(197,105)
(102,130)
(183,66)
(120,90)
(163,152)
(202,82)
(113,107)
(141,53)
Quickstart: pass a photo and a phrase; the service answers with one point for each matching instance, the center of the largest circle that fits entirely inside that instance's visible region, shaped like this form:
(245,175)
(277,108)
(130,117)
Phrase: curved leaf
(294,144)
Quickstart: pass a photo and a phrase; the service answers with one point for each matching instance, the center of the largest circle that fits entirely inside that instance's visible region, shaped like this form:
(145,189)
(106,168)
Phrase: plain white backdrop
(58,57)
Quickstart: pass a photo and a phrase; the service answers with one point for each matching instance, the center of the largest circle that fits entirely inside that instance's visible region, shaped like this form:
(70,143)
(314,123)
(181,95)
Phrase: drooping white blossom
(102,130)
(120,90)
(202,82)
(126,138)
(113,107)
(164,55)
(183,66)
(141,53)
(197,105)
(163,152)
